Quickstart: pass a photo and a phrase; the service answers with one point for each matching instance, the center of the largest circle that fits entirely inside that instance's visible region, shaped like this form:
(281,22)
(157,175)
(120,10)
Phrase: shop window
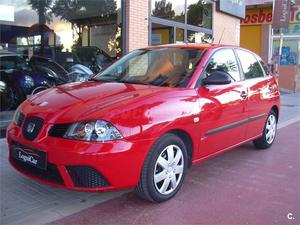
(290,51)
(292,29)
(59,41)
(199,13)
(169,9)
(47,28)
(250,65)
(179,35)
(162,34)
(198,37)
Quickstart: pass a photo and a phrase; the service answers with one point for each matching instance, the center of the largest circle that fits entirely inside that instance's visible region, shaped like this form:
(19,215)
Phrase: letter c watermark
(290,216)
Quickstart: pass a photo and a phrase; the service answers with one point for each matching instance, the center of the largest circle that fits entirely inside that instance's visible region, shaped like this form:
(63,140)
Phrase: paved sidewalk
(243,186)
(5,119)
(290,107)
(21,198)
(27,202)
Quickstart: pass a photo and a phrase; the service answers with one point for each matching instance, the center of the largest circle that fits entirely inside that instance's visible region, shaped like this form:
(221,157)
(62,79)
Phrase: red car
(146,119)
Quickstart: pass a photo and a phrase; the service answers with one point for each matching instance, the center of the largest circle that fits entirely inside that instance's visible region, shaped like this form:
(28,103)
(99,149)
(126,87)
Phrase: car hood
(87,100)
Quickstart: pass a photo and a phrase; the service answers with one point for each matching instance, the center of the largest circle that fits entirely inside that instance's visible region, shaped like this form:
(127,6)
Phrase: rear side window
(224,60)
(250,65)
(265,68)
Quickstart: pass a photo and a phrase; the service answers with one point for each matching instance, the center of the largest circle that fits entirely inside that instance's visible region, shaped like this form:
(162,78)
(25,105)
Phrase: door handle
(244,94)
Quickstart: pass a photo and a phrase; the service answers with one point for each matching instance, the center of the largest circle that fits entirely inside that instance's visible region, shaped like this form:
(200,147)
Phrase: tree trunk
(42,22)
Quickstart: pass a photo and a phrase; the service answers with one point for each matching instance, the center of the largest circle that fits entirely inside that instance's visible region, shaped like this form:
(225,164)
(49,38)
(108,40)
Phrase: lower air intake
(86,177)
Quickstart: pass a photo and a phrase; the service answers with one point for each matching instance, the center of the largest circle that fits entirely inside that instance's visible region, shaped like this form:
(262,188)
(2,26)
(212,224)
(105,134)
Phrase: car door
(259,92)
(222,107)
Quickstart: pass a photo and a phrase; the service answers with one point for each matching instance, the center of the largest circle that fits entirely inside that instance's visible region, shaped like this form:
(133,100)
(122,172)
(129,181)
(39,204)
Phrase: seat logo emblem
(30,128)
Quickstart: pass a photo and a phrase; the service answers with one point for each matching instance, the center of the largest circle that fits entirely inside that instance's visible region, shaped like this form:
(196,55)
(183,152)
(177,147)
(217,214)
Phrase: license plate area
(29,155)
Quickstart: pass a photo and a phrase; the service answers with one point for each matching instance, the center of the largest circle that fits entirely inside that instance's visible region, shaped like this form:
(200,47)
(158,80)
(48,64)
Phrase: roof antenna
(222,35)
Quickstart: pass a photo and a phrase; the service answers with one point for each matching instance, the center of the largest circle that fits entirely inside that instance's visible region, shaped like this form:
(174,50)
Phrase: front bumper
(80,165)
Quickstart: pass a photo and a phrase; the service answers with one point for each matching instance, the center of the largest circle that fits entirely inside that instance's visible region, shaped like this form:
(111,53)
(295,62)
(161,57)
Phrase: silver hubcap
(271,129)
(168,169)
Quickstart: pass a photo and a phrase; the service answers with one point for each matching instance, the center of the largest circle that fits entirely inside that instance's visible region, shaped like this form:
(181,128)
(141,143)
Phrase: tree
(80,12)
(163,9)
(43,9)
(200,14)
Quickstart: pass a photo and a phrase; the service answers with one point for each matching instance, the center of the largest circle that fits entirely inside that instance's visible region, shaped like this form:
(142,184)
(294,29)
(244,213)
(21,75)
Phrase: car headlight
(18,118)
(95,130)
(29,80)
(2,86)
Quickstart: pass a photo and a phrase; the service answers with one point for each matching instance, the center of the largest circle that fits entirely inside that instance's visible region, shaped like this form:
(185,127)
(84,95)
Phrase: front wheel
(164,169)
(269,132)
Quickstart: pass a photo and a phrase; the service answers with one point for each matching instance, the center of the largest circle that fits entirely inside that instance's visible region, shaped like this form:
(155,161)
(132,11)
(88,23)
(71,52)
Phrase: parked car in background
(74,73)
(79,72)
(22,77)
(65,59)
(143,121)
(49,67)
(93,57)
(19,80)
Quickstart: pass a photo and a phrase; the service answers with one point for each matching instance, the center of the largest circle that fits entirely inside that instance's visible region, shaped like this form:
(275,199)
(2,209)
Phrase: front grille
(51,174)
(87,177)
(58,130)
(29,132)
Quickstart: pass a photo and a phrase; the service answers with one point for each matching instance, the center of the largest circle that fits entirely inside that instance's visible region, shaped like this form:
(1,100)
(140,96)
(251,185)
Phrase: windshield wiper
(131,82)
(93,79)
(107,78)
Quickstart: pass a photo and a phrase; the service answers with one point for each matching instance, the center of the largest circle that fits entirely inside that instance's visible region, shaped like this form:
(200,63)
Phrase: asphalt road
(243,186)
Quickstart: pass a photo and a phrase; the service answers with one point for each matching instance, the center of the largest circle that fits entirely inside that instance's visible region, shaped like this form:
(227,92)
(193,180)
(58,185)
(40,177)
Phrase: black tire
(263,142)
(147,188)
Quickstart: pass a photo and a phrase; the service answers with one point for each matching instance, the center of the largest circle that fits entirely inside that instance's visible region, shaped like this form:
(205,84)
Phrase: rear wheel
(164,169)
(269,133)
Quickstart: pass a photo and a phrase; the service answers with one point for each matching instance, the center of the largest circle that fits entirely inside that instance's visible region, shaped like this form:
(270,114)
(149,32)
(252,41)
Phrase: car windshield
(13,63)
(168,67)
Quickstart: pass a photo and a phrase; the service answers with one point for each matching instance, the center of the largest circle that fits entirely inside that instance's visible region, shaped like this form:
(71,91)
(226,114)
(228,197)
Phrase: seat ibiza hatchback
(146,119)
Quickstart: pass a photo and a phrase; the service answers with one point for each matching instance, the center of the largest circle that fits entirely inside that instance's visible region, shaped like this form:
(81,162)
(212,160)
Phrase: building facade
(115,26)
(257,35)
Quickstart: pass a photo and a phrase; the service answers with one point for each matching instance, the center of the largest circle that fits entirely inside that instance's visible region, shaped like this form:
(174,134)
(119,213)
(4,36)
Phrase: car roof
(7,53)
(193,46)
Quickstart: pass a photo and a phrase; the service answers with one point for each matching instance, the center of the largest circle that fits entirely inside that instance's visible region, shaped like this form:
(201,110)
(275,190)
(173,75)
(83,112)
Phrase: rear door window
(251,67)
(265,68)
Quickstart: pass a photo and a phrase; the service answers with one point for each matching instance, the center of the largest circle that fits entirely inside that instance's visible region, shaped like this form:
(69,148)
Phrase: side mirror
(218,78)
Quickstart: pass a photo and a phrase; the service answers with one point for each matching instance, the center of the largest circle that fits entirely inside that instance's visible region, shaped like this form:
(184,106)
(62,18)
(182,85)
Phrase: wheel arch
(187,140)
(276,110)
